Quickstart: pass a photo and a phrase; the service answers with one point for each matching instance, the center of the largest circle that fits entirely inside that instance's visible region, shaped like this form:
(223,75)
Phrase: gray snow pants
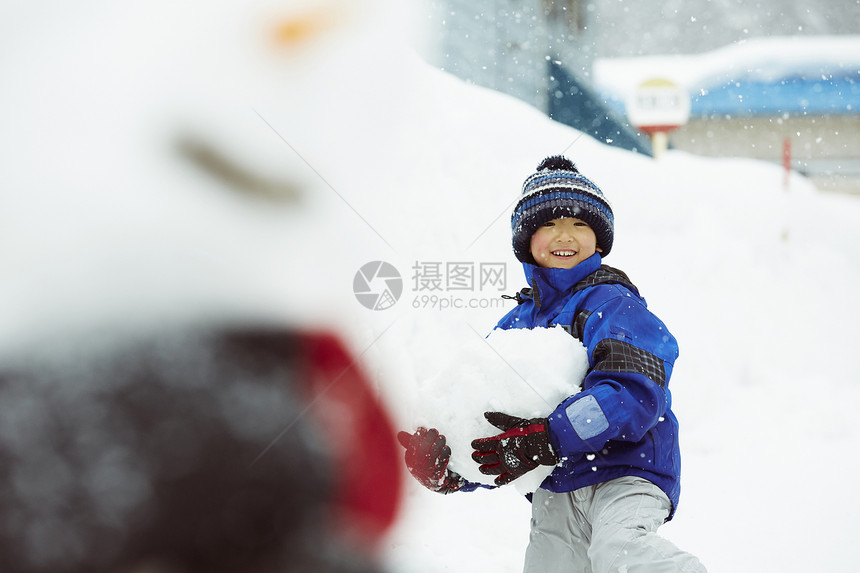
(608,527)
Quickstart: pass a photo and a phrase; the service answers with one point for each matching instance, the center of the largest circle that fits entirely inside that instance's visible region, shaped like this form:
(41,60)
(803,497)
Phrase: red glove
(521,447)
(427,458)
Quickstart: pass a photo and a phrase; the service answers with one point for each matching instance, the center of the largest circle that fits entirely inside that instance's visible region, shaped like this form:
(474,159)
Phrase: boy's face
(563,243)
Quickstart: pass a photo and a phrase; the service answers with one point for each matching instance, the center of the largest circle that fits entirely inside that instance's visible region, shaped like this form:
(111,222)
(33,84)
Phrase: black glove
(521,447)
(427,458)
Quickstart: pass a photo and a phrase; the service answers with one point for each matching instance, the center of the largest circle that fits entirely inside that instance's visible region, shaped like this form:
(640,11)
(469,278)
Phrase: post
(659,143)
(786,161)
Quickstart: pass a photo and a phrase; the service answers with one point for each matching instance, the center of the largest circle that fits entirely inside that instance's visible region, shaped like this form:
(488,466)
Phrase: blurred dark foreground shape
(192,449)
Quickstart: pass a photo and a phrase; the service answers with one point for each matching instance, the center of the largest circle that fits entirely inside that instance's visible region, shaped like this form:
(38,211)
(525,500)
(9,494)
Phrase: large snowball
(522,372)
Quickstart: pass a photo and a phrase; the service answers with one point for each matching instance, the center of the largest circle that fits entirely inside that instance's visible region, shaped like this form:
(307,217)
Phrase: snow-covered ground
(168,159)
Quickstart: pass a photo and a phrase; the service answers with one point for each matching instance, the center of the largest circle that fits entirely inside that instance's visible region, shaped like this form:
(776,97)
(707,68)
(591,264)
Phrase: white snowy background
(365,153)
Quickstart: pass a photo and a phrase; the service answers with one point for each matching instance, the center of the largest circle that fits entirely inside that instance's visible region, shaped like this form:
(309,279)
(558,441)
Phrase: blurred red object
(362,437)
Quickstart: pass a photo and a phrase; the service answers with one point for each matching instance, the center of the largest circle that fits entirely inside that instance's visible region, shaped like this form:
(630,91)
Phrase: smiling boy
(614,444)
(563,243)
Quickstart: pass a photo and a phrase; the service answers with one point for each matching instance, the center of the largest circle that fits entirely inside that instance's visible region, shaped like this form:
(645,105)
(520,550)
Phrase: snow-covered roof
(786,74)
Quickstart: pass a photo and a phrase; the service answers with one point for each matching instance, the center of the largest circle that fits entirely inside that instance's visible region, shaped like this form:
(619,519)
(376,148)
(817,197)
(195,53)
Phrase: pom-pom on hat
(557,189)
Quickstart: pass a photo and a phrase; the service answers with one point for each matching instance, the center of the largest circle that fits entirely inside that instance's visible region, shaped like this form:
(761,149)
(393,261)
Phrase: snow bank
(521,372)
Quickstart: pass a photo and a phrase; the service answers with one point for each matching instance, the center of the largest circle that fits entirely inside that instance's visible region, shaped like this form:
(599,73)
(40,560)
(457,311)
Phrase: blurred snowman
(176,392)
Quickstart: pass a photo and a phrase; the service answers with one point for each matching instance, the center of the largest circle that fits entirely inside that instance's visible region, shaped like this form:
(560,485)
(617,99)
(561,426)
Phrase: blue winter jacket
(621,422)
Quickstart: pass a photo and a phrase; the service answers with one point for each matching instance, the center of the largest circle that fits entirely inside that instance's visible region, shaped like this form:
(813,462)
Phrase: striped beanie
(557,189)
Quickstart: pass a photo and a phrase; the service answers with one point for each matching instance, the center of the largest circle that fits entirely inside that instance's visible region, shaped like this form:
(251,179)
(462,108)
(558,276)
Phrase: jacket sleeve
(469,486)
(631,354)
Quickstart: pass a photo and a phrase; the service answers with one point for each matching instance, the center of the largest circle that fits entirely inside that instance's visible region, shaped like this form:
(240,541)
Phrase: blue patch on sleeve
(586,417)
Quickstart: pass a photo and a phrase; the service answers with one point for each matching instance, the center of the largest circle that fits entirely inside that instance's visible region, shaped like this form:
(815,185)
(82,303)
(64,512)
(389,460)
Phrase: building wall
(505,45)
(492,44)
(825,148)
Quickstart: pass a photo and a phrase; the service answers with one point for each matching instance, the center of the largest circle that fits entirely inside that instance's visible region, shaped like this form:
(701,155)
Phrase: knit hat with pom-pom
(557,189)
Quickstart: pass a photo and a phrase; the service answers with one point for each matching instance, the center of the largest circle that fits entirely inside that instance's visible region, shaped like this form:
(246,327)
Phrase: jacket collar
(549,284)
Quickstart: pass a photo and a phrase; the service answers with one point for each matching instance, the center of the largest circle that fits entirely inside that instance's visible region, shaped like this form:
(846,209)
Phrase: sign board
(658,105)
